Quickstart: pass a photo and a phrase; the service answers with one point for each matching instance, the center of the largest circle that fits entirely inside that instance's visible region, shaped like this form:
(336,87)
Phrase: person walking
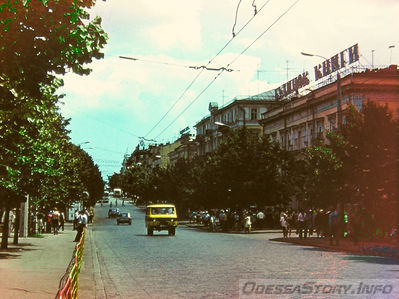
(260,219)
(91,215)
(212,223)
(284,224)
(62,221)
(55,217)
(247,223)
(81,224)
(333,221)
(301,223)
(223,220)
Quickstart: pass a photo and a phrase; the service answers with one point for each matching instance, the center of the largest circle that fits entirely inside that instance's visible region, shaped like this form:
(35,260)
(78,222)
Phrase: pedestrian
(212,223)
(223,220)
(333,222)
(290,220)
(308,227)
(55,217)
(62,221)
(91,215)
(48,222)
(260,217)
(81,224)
(284,224)
(12,221)
(301,223)
(75,219)
(247,223)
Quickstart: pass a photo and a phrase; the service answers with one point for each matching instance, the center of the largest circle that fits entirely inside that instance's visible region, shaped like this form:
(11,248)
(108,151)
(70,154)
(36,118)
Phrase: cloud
(167,35)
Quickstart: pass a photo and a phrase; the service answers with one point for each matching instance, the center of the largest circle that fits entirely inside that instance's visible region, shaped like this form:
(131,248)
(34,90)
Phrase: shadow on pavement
(372,260)
(153,236)
(7,256)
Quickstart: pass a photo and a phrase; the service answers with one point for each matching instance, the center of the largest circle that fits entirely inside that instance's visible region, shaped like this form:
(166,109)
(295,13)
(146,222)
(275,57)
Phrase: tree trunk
(4,237)
(17,220)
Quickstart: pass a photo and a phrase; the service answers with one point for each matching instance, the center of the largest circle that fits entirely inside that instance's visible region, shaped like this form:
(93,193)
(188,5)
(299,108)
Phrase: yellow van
(161,217)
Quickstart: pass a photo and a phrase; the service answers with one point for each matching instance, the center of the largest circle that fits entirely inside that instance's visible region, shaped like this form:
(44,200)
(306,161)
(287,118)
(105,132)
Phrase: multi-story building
(238,113)
(296,122)
(185,150)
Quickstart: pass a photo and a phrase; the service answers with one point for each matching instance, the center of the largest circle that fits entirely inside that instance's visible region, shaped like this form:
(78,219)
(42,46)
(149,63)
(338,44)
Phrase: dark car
(124,217)
(113,212)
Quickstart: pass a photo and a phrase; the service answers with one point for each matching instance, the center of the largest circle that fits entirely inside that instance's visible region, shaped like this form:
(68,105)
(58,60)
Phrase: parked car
(124,217)
(113,212)
(161,217)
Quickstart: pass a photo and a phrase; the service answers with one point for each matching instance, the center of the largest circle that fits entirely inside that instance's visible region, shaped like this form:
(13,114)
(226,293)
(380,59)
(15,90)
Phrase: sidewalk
(205,228)
(366,248)
(385,249)
(34,268)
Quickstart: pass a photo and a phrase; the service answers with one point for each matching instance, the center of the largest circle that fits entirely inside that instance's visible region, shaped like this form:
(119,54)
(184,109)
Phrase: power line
(197,76)
(235,59)
(235,19)
(175,64)
(264,32)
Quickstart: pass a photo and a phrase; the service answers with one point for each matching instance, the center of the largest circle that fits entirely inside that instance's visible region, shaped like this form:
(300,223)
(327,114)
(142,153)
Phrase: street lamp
(221,124)
(339,101)
(390,57)
(308,54)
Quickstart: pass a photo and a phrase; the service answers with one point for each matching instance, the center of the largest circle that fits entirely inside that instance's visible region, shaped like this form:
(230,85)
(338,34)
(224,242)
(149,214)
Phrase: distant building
(186,149)
(237,114)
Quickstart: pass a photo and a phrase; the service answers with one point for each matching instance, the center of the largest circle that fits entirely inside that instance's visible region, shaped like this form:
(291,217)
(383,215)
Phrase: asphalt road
(197,264)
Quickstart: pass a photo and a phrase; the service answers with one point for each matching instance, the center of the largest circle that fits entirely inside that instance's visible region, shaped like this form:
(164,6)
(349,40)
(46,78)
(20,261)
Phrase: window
(357,101)
(254,114)
(299,145)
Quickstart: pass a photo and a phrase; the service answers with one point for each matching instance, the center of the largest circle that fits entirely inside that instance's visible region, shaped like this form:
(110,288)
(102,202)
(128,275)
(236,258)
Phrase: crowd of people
(228,220)
(55,220)
(52,222)
(356,224)
(305,223)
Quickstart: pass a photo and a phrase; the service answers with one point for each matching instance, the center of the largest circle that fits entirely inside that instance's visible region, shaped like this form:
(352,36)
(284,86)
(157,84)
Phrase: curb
(98,281)
(376,250)
(204,228)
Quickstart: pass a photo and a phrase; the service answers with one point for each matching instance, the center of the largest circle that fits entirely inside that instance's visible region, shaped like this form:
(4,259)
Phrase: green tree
(359,165)
(40,39)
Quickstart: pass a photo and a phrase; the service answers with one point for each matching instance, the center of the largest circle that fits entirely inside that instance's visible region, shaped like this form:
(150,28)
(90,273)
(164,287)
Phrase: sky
(165,89)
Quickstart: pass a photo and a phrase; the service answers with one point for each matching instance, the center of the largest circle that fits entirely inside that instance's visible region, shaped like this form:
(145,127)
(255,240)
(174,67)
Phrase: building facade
(246,112)
(298,121)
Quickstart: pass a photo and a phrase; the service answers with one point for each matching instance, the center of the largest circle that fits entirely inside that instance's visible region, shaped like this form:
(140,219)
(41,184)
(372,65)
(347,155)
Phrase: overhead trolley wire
(197,76)
(214,79)
(175,64)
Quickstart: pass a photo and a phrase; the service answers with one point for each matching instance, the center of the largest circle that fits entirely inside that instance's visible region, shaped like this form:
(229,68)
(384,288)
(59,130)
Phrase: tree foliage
(40,39)
(359,165)
(244,170)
